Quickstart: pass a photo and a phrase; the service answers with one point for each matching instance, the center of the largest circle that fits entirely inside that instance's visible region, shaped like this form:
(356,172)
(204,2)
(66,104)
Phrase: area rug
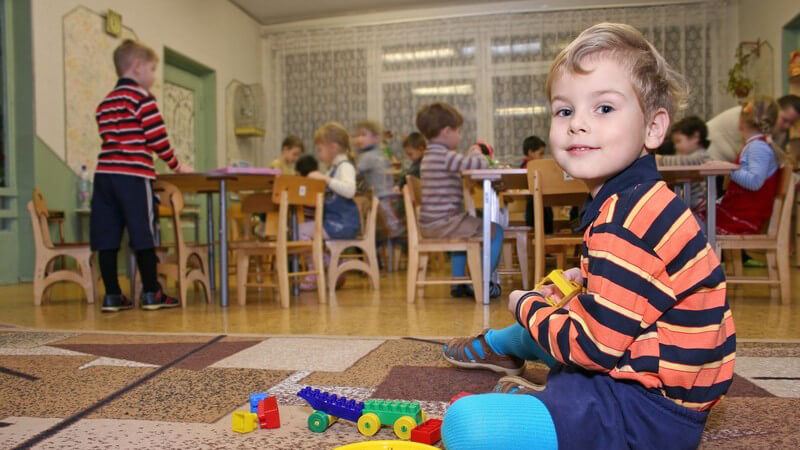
(93,390)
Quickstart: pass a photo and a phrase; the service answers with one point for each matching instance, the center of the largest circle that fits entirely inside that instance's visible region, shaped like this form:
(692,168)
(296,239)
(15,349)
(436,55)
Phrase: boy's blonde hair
(334,132)
(372,127)
(435,117)
(130,51)
(657,85)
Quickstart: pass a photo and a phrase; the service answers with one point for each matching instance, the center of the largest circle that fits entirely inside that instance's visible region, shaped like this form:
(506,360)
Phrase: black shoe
(494,290)
(114,303)
(461,290)
(151,301)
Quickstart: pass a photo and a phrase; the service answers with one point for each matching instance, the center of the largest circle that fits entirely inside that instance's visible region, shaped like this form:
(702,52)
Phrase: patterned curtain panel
(491,67)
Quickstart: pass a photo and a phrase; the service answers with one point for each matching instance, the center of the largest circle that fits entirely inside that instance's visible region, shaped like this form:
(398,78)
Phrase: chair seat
(746,241)
(555,239)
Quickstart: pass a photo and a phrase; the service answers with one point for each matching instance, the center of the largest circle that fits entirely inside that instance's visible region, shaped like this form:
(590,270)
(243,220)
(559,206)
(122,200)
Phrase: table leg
(212,274)
(295,261)
(487,238)
(687,193)
(711,211)
(223,244)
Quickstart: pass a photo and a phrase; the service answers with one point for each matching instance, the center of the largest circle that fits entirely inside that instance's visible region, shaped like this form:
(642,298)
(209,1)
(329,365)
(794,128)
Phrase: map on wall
(88,76)
(178,111)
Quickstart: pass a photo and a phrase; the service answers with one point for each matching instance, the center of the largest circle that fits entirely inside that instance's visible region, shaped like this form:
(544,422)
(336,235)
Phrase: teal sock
(516,341)
(507,421)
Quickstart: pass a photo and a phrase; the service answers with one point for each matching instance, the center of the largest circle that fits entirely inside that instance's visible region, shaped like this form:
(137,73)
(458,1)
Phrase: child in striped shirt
(642,354)
(442,213)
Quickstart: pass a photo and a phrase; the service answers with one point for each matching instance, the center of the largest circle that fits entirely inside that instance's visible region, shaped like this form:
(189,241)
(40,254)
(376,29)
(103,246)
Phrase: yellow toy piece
(568,288)
(386,445)
(403,427)
(244,422)
(369,424)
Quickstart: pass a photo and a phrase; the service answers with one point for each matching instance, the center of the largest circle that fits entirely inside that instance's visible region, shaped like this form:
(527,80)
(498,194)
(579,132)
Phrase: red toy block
(459,395)
(429,432)
(268,415)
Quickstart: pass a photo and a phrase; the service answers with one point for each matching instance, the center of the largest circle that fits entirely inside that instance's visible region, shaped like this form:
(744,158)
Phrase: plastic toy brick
(568,288)
(244,422)
(429,432)
(268,415)
(254,399)
(390,410)
(332,404)
(460,395)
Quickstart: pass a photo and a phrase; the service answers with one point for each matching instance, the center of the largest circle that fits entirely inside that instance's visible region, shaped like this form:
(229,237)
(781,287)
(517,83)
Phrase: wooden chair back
(368,214)
(412,199)
(261,203)
(172,198)
(39,213)
(781,219)
(300,191)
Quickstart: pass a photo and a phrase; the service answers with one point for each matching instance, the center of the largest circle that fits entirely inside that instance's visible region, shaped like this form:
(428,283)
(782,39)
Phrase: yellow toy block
(244,422)
(568,288)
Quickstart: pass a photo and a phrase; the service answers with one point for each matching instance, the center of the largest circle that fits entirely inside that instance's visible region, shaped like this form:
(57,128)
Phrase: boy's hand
(184,169)
(549,290)
(514,298)
(317,175)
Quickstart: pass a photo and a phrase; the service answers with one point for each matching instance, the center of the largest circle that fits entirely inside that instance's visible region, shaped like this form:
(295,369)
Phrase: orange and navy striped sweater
(132,128)
(653,308)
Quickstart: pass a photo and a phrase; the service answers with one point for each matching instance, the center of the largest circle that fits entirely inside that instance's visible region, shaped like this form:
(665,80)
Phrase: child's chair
(419,248)
(178,265)
(775,241)
(287,191)
(368,209)
(551,186)
(45,274)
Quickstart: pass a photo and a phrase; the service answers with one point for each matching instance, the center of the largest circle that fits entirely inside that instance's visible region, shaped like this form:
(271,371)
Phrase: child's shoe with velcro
(474,353)
(517,385)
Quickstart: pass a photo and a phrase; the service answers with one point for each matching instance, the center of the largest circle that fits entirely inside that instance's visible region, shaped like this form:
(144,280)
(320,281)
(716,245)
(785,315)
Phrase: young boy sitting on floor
(442,211)
(641,356)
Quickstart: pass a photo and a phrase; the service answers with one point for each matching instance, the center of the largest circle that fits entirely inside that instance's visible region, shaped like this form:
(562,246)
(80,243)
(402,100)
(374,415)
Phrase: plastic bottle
(84,189)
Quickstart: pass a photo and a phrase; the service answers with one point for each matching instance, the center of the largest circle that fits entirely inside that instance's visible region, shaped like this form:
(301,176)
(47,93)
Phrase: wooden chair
(368,208)
(550,186)
(775,241)
(260,265)
(419,248)
(287,191)
(46,253)
(177,266)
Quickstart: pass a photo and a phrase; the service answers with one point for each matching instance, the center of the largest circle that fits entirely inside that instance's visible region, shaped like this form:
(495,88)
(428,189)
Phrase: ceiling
(270,12)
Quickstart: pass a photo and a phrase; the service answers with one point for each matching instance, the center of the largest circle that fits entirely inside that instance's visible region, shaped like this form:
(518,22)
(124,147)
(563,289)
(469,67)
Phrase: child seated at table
(340,219)
(414,145)
(747,205)
(291,149)
(690,138)
(442,213)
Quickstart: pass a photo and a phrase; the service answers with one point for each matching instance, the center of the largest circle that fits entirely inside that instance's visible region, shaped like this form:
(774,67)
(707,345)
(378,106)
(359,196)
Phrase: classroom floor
(356,311)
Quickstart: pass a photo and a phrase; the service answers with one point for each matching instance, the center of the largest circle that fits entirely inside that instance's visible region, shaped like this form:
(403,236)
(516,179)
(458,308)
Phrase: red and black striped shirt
(654,309)
(132,128)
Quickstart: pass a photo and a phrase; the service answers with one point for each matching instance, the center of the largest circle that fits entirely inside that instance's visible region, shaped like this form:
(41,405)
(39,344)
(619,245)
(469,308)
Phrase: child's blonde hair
(334,132)
(372,127)
(761,114)
(129,51)
(657,85)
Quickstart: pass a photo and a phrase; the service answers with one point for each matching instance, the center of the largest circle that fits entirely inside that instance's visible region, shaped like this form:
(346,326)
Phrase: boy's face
(413,153)
(364,138)
(449,137)
(685,144)
(291,154)
(598,128)
(786,118)
(144,72)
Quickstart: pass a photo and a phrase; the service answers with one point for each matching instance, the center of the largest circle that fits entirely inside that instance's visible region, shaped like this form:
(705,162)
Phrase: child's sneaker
(475,353)
(114,303)
(517,385)
(151,301)
(461,290)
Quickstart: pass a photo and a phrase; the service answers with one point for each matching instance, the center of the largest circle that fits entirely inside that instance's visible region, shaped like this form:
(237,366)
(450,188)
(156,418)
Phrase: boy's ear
(657,129)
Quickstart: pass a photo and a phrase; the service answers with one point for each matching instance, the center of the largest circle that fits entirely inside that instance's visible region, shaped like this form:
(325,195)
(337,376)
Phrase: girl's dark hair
(415,140)
(688,126)
(532,143)
(305,165)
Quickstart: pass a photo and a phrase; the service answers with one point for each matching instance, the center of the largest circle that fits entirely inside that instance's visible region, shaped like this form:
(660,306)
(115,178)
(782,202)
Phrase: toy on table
(386,445)
(268,415)
(568,288)
(369,416)
(244,422)
(429,432)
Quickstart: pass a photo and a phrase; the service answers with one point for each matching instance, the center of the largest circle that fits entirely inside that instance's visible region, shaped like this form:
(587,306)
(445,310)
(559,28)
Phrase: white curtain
(491,67)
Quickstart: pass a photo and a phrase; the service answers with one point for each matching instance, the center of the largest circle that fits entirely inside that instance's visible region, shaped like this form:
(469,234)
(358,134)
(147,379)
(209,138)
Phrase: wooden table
(221,182)
(512,179)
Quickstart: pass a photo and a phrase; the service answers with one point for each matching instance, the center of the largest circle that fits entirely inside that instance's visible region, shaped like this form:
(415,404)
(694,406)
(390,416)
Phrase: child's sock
(147,262)
(507,421)
(516,341)
(108,270)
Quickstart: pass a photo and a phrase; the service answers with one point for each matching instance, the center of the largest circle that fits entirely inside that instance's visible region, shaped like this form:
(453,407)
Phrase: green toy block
(391,410)
(244,422)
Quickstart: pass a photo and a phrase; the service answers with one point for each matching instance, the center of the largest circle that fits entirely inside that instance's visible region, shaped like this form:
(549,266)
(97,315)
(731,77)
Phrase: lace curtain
(491,67)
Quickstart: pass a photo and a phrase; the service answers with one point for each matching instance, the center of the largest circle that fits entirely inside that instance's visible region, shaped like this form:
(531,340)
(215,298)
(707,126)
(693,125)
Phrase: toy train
(369,416)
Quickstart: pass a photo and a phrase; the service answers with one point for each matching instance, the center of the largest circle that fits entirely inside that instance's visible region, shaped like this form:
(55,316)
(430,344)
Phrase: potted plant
(739,84)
